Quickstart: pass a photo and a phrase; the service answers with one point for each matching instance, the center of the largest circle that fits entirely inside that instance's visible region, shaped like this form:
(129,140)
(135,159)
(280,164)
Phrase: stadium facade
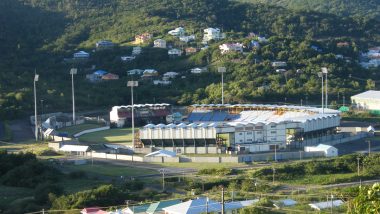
(249,127)
(143,113)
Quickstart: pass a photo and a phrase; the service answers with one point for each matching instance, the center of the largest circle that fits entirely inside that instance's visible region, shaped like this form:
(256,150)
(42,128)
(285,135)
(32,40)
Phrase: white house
(212,34)
(279,64)
(136,50)
(135,72)
(174,52)
(231,47)
(150,73)
(127,58)
(187,38)
(162,82)
(159,43)
(329,151)
(170,75)
(81,55)
(179,31)
(198,70)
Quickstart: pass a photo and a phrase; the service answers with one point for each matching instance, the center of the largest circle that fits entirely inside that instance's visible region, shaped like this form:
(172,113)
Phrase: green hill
(39,34)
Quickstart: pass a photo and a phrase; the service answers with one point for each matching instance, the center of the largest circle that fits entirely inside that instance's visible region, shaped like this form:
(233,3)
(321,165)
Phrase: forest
(47,31)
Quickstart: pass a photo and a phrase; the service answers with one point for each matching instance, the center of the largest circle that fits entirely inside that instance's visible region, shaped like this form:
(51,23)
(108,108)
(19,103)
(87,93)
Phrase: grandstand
(143,114)
(249,126)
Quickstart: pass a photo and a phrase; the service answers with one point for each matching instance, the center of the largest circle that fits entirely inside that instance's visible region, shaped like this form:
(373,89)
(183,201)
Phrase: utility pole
(369,148)
(36,76)
(320,74)
(222,70)
(275,153)
(73,71)
(223,200)
(274,172)
(358,165)
(133,84)
(325,71)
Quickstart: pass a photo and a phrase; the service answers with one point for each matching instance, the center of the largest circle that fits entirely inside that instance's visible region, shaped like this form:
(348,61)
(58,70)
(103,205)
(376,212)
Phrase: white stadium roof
(371,94)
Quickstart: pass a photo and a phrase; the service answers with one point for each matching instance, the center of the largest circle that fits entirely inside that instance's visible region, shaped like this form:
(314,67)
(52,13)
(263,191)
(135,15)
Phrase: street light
(325,71)
(41,120)
(222,70)
(36,76)
(72,72)
(320,75)
(133,84)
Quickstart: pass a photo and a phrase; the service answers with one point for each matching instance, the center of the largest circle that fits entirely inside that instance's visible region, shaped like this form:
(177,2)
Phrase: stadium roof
(371,94)
(142,105)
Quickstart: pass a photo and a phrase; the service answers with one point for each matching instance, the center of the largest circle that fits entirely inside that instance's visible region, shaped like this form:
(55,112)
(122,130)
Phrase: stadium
(143,113)
(246,127)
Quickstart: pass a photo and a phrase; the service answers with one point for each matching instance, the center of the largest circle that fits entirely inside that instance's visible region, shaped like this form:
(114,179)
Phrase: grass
(202,165)
(110,170)
(71,130)
(76,185)
(9,194)
(323,179)
(123,136)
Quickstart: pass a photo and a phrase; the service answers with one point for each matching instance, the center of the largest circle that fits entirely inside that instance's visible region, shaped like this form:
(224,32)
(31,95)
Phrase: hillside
(368,9)
(47,31)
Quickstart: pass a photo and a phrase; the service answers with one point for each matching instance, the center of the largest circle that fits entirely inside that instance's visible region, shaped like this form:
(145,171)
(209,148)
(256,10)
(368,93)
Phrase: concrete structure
(231,47)
(246,127)
(328,150)
(81,55)
(159,43)
(369,100)
(121,115)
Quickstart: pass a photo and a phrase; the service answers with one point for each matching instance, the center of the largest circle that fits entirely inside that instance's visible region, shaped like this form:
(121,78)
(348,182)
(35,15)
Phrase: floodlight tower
(325,71)
(36,76)
(133,84)
(222,70)
(73,71)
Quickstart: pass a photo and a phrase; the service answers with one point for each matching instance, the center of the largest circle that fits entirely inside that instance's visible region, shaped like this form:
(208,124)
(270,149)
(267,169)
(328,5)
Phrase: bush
(77,174)
(42,191)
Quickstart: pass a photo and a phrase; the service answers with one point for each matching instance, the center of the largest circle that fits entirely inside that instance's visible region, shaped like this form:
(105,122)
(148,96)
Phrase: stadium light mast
(320,74)
(36,76)
(222,70)
(325,71)
(73,71)
(133,84)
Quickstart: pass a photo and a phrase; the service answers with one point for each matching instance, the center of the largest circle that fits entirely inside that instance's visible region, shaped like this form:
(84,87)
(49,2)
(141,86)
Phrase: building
(174,52)
(162,82)
(148,73)
(190,50)
(96,76)
(136,51)
(231,47)
(328,150)
(198,70)
(212,34)
(187,38)
(110,76)
(245,127)
(135,72)
(342,44)
(127,58)
(159,43)
(369,100)
(279,64)
(104,44)
(75,149)
(143,38)
(326,204)
(81,55)
(179,31)
(144,113)
(170,75)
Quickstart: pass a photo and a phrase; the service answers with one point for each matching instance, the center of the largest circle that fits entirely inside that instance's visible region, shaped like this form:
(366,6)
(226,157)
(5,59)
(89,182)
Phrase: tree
(367,201)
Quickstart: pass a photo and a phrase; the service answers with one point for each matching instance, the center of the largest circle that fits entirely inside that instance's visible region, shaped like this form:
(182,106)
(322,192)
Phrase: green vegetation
(111,170)
(367,201)
(123,135)
(71,130)
(200,166)
(217,171)
(7,132)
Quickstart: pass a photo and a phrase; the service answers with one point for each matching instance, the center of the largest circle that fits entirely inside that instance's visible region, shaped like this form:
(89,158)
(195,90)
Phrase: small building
(81,55)
(369,100)
(171,75)
(342,44)
(187,38)
(135,72)
(279,64)
(198,70)
(329,151)
(174,52)
(179,31)
(136,51)
(162,153)
(75,149)
(231,47)
(143,38)
(104,44)
(280,70)
(127,58)
(190,50)
(212,34)
(149,73)
(326,204)
(159,43)
(110,76)
(96,76)
(162,82)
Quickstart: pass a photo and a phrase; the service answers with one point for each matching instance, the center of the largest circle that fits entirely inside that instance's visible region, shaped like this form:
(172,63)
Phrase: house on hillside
(212,34)
(110,76)
(190,50)
(127,58)
(198,70)
(104,44)
(162,82)
(81,55)
(148,73)
(135,72)
(187,38)
(231,47)
(342,44)
(170,75)
(174,52)
(143,38)
(159,43)
(279,64)
(96,76)
(179,31)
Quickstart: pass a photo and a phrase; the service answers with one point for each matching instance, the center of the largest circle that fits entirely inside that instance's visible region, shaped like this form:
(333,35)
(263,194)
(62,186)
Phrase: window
(259,132)
(273,127)
(240,133)
(249,133)
(249,139)
(273,132)
(273,138)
